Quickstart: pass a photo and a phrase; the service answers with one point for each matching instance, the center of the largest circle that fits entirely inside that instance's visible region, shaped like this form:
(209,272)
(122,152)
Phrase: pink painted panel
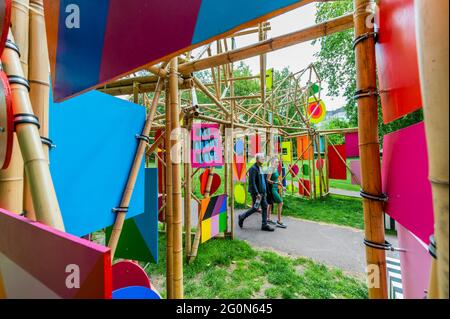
(355,167)
(352,144)
(415,264)
(405,180)
(48,255)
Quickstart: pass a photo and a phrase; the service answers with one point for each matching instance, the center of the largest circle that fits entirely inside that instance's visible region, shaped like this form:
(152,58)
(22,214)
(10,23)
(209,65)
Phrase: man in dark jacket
(257,188)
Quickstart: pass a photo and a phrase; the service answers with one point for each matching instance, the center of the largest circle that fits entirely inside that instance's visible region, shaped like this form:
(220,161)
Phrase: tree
(336,65)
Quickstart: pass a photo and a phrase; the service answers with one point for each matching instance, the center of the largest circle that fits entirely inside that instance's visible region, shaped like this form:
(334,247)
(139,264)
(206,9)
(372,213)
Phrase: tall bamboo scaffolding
(176,184)
(369,147)
(36,165)
(433,52)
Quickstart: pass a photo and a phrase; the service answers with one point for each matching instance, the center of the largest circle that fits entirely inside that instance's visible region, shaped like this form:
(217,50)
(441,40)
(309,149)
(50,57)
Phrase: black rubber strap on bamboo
(120,210)
(48,142)
(432,247)
(23,118)
(364,37)
(379,198)
(386,246)
(143,138)
(365,93)
(14,79)
(11,45)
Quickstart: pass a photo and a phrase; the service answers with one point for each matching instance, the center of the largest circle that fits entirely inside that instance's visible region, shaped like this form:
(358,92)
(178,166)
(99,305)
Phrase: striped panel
(394,278)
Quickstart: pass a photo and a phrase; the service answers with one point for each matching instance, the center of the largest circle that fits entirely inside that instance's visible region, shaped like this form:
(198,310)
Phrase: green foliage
(336,65)
(336,124)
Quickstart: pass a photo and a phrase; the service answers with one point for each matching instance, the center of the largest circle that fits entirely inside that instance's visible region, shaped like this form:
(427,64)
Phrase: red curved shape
(5,21)
(4,82)
(127,273)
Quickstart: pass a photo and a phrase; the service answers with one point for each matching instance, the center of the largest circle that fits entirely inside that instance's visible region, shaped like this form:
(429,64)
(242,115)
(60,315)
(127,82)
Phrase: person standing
(274,183)
(257,188)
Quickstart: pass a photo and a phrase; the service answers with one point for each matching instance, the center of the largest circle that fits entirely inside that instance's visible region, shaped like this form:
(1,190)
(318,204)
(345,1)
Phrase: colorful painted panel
(316,110)
(405,180)
(95,138)
(139,238)
(336,162)
(206,146)
(415,263)
(286,152)
(355,167)
(239,161)
(213,214)
(37,261)
(255,145)
(215,184)
(90,43)
(352,144)
(397,61)
(304,148)
(322,145)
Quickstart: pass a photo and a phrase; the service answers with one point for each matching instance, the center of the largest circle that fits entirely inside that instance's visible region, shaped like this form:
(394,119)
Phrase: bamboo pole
(169,202)
(176,184)
(187,188)
(20,22)
(433,52)
(39,67)
(308,34)
(369,146)
(12,178)
(36,166)
(129,188)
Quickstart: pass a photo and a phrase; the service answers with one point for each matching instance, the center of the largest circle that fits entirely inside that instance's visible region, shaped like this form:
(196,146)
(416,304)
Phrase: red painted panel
(397,61)
(337,167)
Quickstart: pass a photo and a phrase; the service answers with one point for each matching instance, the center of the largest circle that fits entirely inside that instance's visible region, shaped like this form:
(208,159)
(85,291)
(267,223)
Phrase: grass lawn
(232,270)
(333,209)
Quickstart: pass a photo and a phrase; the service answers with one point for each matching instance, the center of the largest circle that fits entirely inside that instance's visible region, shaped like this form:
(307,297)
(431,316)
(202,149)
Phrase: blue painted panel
(73,76)
(231,13)
(135,292)
(147,223)
(322,145)
(94,135)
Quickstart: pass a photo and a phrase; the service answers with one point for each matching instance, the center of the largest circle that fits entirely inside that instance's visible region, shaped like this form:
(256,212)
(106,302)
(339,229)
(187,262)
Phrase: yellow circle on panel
(239,194)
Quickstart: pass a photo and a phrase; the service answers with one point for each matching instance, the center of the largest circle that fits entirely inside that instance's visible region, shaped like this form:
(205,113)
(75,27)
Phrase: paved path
(336,246)
(344,192)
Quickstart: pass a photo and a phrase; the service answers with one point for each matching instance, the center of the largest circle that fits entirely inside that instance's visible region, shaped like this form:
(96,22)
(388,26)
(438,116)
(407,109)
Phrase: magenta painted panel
(405,180)
(214,226)
(45,254)
(415,264)
(352,144)
(206,146)
(355,167)
(138,25)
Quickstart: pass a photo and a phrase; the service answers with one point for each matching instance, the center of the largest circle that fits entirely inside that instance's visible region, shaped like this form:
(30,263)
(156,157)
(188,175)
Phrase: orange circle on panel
(316,110)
